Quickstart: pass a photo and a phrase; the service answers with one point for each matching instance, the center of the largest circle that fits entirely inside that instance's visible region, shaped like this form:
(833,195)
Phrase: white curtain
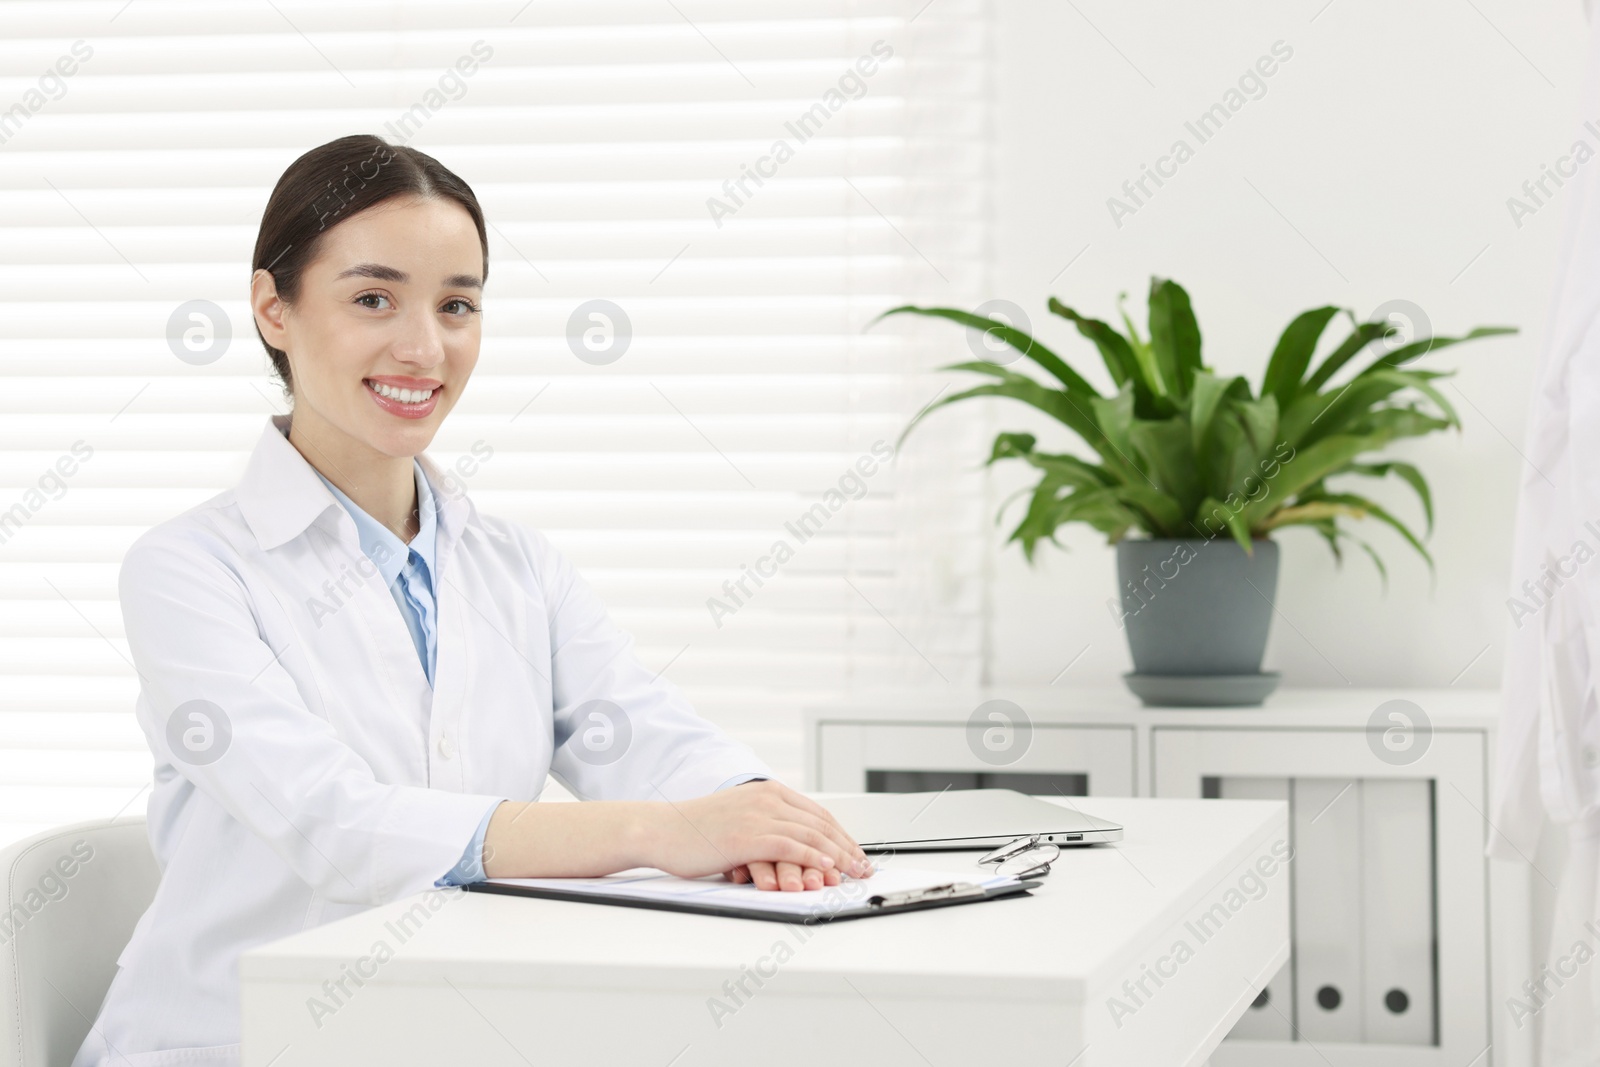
(1547,780)
(623,150)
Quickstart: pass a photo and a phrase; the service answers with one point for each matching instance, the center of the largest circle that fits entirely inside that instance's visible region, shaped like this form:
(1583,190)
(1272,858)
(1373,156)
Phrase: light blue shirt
(408,570)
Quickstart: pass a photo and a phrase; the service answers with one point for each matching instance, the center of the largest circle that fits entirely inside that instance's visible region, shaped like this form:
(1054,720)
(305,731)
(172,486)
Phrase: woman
(354,684)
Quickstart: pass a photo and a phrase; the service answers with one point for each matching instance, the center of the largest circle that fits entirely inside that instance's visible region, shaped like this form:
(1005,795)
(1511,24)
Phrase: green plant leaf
(1213,511)
(1163,516)
(1226,457)
(1378,512)
(1334,412)
(1330,533)
(1406,471)
(1377,561)
(1011,446)
(1114,416)
(1047,512)
(1070,470)
(1397,422)
(1174,336)
(1053,364)
(1144,358)
(1333,534)
(1293,354)
(1313,511)
(1416,349)
(1056,403)
(1164,451)
(1309,464)
(1207,392)
(1259,418)
(1114,348)
(1417,380)
(1243,436)
(1360,337)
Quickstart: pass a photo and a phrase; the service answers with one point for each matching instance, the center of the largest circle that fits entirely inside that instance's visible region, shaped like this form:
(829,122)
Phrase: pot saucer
(1202,690)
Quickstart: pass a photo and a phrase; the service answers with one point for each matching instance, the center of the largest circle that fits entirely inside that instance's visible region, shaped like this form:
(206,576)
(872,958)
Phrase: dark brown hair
(334,182)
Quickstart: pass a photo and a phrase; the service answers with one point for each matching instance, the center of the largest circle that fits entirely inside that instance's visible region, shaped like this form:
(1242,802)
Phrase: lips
(400,405)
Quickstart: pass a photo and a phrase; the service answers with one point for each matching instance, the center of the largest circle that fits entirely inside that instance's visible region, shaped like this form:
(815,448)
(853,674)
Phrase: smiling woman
(372,369)
(311,762)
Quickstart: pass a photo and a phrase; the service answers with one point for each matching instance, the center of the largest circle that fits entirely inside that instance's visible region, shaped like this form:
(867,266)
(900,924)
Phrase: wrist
(641,832)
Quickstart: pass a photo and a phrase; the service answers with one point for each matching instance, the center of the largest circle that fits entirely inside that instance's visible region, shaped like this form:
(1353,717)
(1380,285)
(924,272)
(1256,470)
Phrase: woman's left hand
(786,876)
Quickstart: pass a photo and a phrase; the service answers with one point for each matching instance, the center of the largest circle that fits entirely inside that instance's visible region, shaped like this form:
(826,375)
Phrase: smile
(406,403)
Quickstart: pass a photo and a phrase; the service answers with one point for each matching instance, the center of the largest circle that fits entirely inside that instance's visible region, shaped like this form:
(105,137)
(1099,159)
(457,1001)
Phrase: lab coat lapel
(281,498)
(453,665)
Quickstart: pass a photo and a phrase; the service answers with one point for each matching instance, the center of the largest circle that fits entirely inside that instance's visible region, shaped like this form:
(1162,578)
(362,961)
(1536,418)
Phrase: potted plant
(1207,471)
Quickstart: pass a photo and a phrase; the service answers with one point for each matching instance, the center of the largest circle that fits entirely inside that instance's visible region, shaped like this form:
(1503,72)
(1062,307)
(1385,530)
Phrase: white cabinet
(1407,940)
(1390,890)
(850,755)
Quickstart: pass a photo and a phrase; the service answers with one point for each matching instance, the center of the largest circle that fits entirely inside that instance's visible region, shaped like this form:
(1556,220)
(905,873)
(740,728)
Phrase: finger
(825,821)
(811,878)
(739,875)
(813,837)
(789,879)
(786,804)
(812,831)
(782,846)
(762,874)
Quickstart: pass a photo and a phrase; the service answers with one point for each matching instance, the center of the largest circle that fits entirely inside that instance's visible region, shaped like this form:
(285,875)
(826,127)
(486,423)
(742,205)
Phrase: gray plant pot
(1194,609)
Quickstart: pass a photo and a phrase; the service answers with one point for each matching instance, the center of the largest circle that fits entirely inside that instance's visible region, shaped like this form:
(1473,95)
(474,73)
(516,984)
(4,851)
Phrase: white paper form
(647,883)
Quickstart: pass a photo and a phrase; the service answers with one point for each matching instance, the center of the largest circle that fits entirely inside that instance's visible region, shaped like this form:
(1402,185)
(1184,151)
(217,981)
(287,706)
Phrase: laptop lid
(963,818)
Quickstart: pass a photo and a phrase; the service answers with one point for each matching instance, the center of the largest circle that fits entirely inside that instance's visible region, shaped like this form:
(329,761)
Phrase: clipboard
(949,893)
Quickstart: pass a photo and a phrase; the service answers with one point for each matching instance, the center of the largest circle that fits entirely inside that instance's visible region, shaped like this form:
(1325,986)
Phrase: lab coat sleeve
(256,748)
(622,731)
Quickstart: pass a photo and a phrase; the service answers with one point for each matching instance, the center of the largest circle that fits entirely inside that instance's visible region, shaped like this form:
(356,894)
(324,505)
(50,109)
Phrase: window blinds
(695,210)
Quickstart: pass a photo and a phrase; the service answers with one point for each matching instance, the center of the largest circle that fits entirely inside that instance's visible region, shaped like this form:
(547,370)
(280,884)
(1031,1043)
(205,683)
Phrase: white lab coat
(1548,762)
(343,780)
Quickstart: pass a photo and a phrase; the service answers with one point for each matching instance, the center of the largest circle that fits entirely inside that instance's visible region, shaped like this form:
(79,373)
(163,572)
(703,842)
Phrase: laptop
(963,818)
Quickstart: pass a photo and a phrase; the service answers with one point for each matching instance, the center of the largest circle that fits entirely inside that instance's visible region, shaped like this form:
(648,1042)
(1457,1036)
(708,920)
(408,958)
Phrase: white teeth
(405,396)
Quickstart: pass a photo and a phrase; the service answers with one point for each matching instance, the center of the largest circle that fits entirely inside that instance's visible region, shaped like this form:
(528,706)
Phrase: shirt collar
(380,543)
(281,495)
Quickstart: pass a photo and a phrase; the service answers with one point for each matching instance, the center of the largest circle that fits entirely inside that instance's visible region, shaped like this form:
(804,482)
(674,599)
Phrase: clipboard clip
(951,891)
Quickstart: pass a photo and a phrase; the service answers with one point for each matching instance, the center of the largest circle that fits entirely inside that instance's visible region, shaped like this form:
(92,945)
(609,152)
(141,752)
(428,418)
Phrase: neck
(383,486)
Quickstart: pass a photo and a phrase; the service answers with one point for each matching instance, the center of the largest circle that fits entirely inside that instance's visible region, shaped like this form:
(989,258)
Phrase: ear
(268,309)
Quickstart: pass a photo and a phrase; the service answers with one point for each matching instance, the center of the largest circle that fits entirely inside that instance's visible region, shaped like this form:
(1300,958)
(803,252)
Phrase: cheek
(463,353)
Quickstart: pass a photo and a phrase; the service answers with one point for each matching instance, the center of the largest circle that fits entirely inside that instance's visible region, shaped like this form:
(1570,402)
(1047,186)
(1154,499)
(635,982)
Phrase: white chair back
(71,898)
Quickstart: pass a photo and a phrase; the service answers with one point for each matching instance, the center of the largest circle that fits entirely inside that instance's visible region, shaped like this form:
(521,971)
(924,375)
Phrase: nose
(419,341)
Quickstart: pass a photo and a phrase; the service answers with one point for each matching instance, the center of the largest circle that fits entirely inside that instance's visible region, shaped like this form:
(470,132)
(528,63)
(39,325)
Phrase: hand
(763,832)
(786,876)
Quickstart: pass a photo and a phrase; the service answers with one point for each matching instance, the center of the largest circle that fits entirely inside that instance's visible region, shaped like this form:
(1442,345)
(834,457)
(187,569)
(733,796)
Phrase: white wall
(1390,140)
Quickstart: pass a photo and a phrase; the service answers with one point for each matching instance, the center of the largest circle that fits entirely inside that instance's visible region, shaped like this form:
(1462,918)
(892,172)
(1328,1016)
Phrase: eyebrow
(400,277)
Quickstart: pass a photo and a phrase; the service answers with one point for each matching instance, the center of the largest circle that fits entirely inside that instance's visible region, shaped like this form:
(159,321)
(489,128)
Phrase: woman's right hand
(752,829)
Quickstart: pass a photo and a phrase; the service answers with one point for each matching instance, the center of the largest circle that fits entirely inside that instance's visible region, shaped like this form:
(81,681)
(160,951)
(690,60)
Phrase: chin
(402,441)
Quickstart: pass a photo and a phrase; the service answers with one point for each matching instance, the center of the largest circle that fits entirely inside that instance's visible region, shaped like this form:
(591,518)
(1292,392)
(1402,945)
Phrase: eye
(370,296)
(472,309)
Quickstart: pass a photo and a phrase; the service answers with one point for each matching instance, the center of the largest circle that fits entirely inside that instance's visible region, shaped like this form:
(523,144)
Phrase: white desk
(492,980)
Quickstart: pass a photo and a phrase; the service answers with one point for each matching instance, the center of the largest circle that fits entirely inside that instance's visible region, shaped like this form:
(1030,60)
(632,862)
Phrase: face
(386,328)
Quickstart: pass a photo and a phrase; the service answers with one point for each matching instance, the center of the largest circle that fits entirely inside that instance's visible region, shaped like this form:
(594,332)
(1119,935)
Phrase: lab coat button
(1591,758)
(446,747)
